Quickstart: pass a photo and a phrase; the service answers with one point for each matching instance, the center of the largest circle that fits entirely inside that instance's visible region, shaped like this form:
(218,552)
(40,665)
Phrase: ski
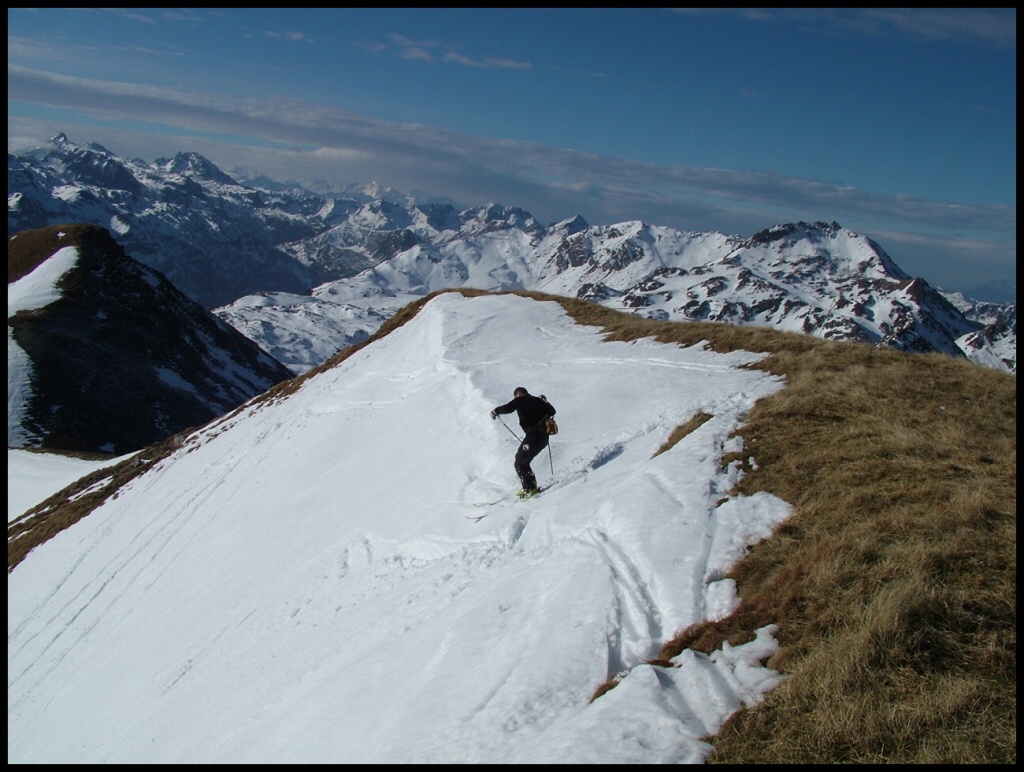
(503,499)
(523,495)
(491,503)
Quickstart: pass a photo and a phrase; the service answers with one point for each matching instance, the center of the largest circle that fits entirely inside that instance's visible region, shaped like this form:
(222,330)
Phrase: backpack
(550,427)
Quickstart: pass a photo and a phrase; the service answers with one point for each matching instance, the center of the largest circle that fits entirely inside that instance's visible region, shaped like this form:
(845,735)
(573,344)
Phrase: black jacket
(532,412)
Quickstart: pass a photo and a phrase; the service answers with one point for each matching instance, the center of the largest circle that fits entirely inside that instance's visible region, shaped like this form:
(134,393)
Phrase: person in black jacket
(533,412)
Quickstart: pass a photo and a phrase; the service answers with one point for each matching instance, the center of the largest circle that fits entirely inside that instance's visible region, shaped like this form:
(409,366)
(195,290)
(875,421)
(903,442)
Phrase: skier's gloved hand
(493,415)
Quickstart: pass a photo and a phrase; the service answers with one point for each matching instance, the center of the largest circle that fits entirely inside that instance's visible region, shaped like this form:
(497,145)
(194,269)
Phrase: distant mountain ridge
(813,278)
(304,274)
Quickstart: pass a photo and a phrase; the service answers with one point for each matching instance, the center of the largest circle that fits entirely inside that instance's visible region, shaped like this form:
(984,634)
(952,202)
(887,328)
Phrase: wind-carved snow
(35,290)
(311,579)
(38,288)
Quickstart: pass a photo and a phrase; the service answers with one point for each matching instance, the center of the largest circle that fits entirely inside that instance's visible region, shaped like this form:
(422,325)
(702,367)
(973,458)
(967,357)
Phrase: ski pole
(506,426)
(550,460)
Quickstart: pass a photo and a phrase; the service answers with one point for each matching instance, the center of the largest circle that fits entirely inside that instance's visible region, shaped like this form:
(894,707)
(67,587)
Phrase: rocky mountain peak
(195,165)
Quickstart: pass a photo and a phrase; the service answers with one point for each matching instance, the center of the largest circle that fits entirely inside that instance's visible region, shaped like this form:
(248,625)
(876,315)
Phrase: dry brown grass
(25,251)
(682,431)
(893,583)
(66,507)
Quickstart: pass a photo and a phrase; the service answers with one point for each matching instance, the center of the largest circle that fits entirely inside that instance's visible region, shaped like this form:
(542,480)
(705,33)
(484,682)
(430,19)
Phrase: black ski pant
(532,444)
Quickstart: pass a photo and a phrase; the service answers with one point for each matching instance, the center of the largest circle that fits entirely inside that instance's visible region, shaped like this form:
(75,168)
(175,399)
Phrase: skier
(533,414)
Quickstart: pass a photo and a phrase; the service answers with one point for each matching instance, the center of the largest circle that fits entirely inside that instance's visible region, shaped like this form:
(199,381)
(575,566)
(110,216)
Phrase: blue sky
(899,124)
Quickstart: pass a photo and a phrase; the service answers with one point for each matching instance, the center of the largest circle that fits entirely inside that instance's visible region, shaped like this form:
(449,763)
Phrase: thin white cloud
(996,27)
(51,51)
(417,49)
(417,53)
(38,50)
(498,62)
(989,26)
(451,56)
(188,15)
(508,64)
(402,40)
(133,14)
(294,36)
(422,152)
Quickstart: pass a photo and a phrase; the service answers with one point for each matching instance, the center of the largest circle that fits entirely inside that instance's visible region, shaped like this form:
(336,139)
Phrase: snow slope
(307,580)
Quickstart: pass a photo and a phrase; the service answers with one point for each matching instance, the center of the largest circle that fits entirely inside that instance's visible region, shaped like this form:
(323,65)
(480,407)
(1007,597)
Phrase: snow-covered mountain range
(305,275)
(818,279)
